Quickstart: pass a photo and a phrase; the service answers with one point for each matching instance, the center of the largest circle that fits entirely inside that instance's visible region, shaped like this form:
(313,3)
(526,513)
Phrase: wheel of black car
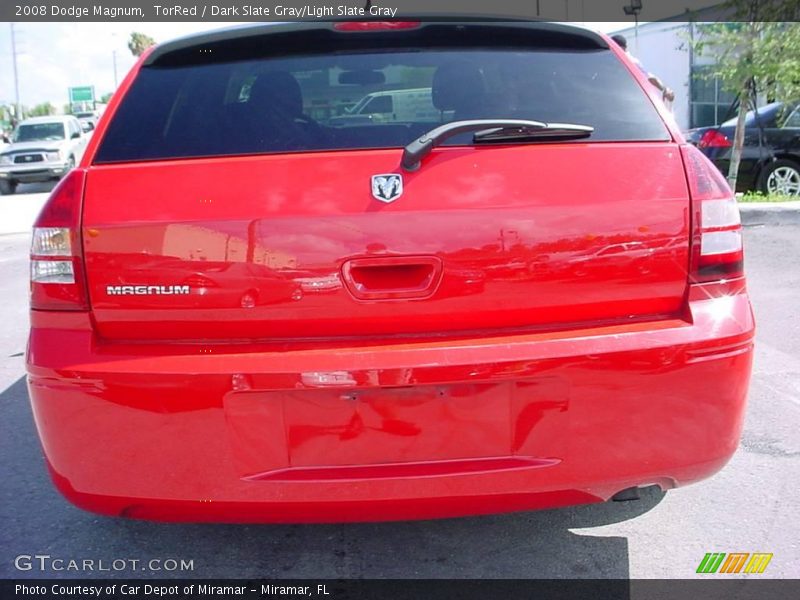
(8,187)
(781,177)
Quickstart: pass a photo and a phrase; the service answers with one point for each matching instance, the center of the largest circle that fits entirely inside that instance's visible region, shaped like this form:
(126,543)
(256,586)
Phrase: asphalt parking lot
(751,506)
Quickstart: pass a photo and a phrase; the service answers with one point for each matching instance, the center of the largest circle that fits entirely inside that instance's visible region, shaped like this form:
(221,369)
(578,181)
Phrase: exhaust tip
(634,493)
(626,495)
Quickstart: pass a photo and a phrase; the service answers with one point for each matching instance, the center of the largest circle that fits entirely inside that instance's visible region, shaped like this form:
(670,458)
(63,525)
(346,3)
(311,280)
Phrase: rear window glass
(793,120)
(381,99)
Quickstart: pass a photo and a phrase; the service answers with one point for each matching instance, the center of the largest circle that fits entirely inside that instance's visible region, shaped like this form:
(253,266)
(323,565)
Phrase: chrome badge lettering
(387,188)
(148,290)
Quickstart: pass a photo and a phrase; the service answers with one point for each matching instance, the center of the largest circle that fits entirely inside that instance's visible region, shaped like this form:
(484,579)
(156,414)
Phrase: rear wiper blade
(545,131)
(489,130)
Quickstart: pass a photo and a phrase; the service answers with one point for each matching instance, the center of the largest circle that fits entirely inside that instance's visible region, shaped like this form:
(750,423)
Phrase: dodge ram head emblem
(387,188)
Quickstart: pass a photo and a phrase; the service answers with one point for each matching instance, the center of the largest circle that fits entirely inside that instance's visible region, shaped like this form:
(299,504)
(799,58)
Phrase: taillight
(714,139)
(717,236)
(375,25)
(199,282)
(57,278)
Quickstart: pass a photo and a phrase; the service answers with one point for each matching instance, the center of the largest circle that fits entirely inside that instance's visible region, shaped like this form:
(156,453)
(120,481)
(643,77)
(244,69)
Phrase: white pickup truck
(41,149)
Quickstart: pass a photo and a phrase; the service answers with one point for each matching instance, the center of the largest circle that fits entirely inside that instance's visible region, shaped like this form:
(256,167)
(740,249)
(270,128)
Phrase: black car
(771,154)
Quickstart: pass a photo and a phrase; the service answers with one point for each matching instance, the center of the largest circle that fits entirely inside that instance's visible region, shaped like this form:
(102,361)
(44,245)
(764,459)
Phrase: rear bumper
(34,173)
(393,431)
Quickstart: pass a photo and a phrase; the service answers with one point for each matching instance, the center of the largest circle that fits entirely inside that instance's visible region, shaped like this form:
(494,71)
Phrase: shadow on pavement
(36,188)
(520,545)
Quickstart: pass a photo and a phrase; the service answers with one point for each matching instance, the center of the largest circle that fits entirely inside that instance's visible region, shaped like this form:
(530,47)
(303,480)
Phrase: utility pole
(114,54)
(17,109)
(633,9)
(114,46)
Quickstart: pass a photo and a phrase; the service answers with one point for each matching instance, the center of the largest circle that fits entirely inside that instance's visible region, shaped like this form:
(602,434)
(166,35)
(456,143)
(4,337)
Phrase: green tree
(139,42)
(105,98)
(758,52)
(42,110)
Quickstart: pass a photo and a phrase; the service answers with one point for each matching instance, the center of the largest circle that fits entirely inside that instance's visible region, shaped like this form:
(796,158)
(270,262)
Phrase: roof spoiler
(241,40)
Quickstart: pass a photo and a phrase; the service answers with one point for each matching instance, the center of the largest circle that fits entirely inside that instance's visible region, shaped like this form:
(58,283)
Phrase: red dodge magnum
(364,271)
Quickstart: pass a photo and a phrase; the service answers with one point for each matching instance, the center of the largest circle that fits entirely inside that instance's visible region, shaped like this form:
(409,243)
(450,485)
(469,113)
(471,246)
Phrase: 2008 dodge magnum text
(532,296)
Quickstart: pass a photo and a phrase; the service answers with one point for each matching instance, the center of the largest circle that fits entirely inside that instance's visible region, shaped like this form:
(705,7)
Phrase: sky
(51,57)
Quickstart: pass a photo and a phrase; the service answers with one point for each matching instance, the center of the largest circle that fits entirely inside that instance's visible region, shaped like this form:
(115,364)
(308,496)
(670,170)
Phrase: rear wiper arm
(489,130)
(549,131)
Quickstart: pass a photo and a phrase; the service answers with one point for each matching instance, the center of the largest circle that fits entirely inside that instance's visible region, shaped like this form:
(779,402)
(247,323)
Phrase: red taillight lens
(57,279)
(714,139)
(717,252)
(375,25)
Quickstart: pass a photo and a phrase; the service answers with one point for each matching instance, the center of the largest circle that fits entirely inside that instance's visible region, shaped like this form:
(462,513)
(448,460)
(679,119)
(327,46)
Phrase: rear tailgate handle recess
(392,277)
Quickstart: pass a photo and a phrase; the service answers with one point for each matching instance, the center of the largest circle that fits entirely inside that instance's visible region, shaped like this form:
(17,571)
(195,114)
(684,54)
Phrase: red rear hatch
(297,247)
(230,199)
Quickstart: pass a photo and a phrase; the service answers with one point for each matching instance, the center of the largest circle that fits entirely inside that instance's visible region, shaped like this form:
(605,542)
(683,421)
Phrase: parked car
(408,106)
(87,126)
(88,120)
(439,359)
(771,153)
(41,149)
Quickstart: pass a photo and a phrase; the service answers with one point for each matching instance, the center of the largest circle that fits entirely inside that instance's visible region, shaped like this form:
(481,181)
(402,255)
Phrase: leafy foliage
(139,42)
(42,110)
(758,53)
(755,197)
(760,56)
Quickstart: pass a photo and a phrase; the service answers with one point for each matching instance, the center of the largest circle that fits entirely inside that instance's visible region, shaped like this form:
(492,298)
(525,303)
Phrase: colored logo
(735,562)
